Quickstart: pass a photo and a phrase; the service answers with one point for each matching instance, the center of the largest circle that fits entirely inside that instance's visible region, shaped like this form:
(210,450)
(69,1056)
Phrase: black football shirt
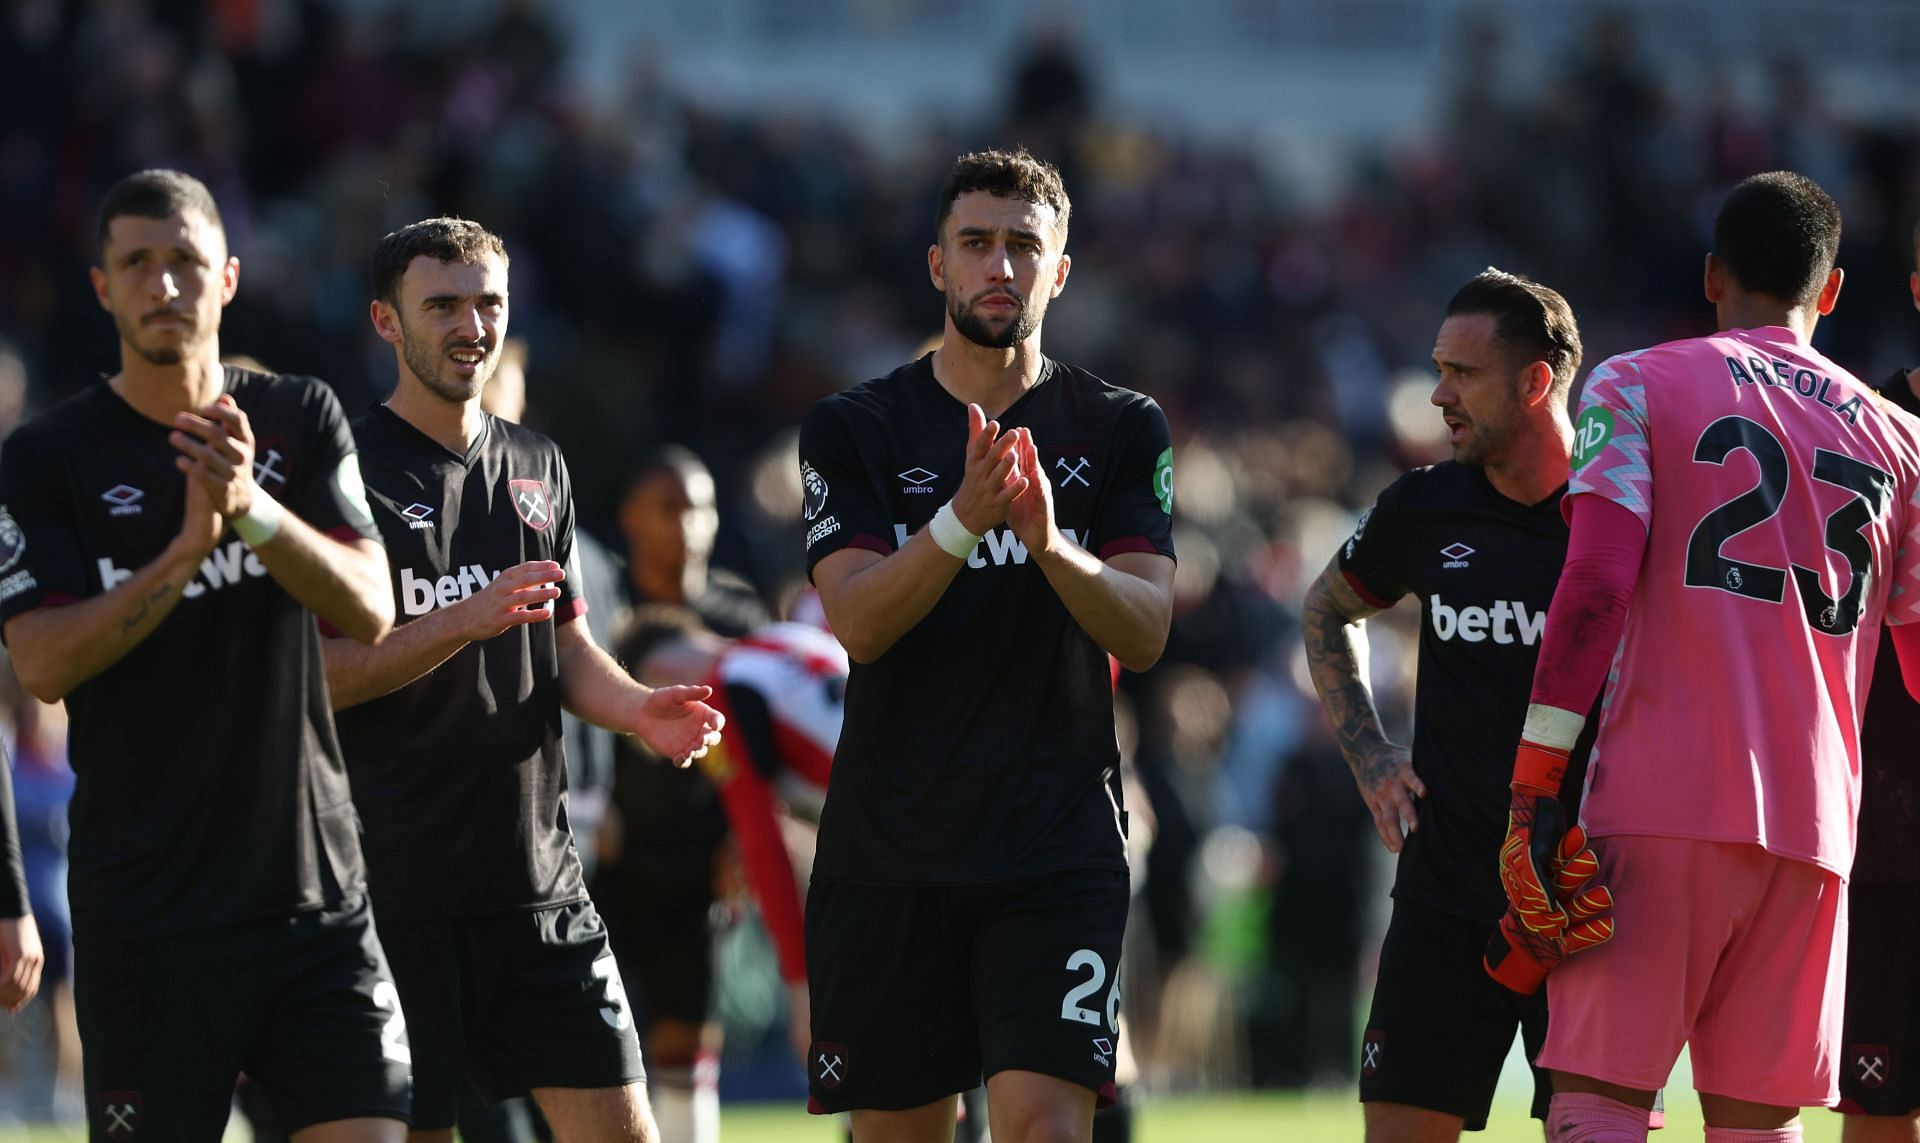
(1484,568)
(1888,850)
(980,747)
(210,787)
(459,775)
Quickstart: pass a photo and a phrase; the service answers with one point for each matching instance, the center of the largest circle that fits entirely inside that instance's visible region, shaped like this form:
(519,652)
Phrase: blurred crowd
(694,276)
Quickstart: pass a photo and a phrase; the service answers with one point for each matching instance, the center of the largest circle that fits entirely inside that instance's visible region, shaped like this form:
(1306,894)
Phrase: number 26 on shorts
(1070,1007)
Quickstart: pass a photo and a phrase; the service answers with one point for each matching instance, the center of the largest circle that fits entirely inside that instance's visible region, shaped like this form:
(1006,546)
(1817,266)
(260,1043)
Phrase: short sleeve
(572,603)
(1136,515)
(1612,453)
(40,558)
(838,506)
(1374,558)
(331,495)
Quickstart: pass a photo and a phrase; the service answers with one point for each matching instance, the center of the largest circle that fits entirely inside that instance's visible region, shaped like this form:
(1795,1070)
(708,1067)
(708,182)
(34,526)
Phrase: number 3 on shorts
(1070,1008)
(614,1011)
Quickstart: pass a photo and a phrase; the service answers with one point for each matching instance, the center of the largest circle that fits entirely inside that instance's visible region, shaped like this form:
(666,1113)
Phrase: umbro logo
(918,479)
(1456,554)
(1103,1051)
(416,516)
(123,500)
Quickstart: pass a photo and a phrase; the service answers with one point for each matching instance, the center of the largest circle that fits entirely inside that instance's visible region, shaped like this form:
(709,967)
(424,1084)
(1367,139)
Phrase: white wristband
(952,536)
(262,521)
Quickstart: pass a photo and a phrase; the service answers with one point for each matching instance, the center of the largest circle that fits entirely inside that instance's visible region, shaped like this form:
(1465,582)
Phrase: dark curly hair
(1008,174)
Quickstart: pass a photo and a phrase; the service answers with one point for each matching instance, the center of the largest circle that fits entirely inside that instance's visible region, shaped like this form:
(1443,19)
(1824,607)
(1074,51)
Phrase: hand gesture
(1031,513)
(677,722)
(216,450)
(989,482)
(21,959)
(200,525)
(1388,785)
(520,595)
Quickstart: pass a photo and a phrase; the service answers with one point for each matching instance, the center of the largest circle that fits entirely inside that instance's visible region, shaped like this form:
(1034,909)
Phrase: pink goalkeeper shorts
(1724,947)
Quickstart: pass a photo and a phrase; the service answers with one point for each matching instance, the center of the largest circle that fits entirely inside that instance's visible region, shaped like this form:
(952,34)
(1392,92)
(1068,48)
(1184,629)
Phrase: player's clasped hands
(1030,515)
(522,594)
(678,723)
(992,477)
(216,451)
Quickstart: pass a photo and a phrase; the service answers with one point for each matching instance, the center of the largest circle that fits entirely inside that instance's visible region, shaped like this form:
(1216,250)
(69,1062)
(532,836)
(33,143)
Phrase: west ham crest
(530,503)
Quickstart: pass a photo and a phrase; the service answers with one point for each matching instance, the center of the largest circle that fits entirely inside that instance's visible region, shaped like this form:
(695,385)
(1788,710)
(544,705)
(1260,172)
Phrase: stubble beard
(163,355)
(975,328)
(1486,440)
(429,365)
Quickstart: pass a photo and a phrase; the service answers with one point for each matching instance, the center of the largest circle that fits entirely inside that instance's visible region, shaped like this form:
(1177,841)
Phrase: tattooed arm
(1332,621)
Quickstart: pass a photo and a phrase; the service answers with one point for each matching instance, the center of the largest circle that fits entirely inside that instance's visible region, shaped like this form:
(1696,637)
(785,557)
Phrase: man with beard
(1479,541)
(166,541)
(984,526)
(452,725)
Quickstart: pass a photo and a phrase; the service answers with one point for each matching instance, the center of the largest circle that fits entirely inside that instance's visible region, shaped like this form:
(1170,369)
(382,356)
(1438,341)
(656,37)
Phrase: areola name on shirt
(1796,379)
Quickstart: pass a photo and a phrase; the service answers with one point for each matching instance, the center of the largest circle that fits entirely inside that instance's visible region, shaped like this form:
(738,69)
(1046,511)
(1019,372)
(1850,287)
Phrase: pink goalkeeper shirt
(1779,495)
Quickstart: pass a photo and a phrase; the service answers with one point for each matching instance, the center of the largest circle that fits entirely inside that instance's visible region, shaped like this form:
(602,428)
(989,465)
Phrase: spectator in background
(666,832)
(669,519)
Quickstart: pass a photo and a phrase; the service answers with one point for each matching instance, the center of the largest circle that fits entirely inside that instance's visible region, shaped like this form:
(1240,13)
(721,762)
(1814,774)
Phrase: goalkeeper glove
(1520,957)
(1536,823)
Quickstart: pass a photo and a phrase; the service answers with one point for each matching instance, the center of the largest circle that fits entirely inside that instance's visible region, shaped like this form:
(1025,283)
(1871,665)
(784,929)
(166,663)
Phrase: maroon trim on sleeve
(328,630)
(871,543)
(570,610)
(347,533)
(1124,544)
(58,599)
(1366,596)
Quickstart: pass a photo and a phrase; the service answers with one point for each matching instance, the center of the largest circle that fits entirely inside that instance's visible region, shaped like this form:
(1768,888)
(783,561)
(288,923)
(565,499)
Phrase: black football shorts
(919,990)
(1441,1028)
(512,1001)
(302,1004)
(1880,1070)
